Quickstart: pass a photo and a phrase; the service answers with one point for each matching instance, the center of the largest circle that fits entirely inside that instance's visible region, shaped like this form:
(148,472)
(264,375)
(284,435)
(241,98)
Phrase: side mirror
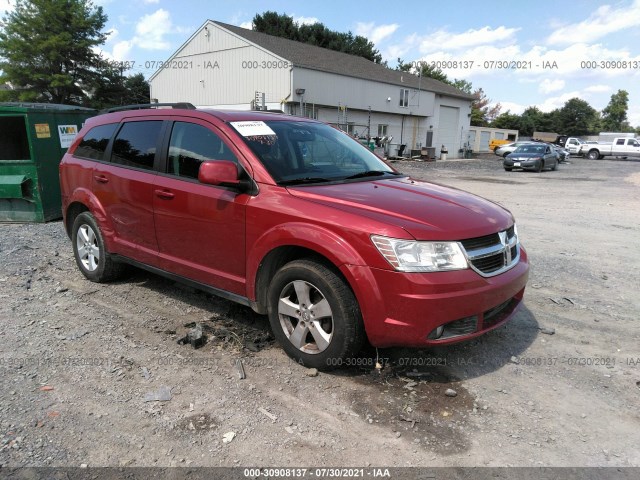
(219,172)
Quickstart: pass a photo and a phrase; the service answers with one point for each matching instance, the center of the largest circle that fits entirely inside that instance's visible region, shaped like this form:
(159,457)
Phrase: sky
(560,49)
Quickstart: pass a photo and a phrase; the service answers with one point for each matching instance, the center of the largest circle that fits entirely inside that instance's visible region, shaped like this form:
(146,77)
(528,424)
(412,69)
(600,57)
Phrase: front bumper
(509,163)
(403,309)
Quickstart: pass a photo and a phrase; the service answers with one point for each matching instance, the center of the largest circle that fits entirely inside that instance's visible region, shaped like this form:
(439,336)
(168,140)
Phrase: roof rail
(142,106)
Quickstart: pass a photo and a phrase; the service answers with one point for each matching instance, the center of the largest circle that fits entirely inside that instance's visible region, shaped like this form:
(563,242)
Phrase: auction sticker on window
(252,129)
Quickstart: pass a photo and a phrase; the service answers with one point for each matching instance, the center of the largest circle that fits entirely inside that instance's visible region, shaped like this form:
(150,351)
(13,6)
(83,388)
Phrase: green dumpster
(33,139)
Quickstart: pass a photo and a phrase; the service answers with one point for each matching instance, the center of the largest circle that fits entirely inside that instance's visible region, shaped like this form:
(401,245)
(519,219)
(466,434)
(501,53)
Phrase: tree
(481,113)
(282,25)
(46,49)
(577,117)
(507,120)
(425,70)
(116,90)
(614,115)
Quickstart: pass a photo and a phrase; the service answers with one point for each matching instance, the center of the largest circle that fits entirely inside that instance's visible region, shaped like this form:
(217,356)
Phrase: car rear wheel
(314,315)
(90,253)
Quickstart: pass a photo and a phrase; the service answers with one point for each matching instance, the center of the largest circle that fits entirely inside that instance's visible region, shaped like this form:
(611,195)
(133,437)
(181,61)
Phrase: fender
(89,200)
(299,234)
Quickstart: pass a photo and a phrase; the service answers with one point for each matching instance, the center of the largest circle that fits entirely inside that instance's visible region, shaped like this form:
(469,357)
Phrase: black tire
(343,325)
(540,166)
(593,154)
(94,261)
(508,169)
(555,165)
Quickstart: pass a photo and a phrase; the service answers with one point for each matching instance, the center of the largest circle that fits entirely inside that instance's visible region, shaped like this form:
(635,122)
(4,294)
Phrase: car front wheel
(314,315)
(90,253)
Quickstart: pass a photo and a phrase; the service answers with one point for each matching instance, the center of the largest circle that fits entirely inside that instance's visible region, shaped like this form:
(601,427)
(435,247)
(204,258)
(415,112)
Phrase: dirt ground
(557,386)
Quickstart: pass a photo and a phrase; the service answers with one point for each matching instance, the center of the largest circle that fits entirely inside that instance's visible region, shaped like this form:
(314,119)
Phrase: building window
(382,130)
(404,97)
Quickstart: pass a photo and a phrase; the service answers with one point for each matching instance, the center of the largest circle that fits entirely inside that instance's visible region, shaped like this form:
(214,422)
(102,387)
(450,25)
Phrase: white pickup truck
(621,147)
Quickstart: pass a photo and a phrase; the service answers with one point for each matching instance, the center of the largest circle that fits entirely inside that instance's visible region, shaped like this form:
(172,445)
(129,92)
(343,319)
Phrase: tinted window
(13,139)
(94,143)
(135,144)
(620,142)
(191,145)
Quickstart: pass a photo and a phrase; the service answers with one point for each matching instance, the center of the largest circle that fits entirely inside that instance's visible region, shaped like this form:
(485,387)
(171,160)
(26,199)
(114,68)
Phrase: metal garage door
(485,137)
(448,133)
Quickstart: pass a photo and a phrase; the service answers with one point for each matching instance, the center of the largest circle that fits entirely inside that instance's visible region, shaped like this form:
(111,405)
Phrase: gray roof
(317,58)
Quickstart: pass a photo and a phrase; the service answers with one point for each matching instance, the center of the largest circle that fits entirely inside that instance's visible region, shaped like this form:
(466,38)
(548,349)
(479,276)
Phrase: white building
(479,138)
(228,67)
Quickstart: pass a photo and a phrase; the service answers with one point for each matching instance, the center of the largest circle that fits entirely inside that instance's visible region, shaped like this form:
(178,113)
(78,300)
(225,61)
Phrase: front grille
(493,254)
(481,242)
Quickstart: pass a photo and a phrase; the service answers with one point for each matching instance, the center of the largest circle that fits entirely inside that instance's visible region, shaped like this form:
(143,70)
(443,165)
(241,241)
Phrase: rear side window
(94,143)
(135,144)
(192,144)
(14,144)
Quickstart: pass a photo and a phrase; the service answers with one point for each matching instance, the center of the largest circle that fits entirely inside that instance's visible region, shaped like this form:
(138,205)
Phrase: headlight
(414,256)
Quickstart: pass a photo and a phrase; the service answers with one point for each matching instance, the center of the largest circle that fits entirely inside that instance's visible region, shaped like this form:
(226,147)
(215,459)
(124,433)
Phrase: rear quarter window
(94,143)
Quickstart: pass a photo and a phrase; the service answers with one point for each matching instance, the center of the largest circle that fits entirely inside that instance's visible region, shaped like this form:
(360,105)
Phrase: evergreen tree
(46,49)
(282,25)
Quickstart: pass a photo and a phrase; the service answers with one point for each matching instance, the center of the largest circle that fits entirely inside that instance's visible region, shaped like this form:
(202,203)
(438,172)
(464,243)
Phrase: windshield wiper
(371,173)
(300,181)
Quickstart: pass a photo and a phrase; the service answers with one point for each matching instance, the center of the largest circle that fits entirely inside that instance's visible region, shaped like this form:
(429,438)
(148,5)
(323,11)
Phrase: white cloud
(151,30)
(633,114)
(112,34)
(470,38)
(598,89)
(248,25)
(548,86)
(121,50)
(552,103)
(375,33)
(512,107)
(301,20)
(149,2)
(602,22)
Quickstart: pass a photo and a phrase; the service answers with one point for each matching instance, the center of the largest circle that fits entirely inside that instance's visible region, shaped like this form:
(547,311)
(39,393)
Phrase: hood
(427,211)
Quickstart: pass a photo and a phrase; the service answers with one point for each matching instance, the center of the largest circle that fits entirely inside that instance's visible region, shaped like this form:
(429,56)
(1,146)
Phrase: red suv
(295,219)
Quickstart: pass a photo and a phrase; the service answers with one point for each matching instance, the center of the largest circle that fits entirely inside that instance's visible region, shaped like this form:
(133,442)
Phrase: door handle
(101,178)
(166,194)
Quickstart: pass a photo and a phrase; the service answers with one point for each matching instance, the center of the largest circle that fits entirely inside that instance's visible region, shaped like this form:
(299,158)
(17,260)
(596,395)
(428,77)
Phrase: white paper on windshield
(252,128)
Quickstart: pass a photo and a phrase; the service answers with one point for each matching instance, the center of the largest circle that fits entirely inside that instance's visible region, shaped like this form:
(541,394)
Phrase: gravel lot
(557,386)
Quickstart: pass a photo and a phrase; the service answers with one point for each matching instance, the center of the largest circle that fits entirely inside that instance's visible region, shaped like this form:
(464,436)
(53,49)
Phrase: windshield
(530,149)
(296,152)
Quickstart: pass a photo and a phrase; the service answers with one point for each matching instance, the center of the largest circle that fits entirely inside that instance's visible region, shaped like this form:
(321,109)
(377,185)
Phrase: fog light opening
(437,333)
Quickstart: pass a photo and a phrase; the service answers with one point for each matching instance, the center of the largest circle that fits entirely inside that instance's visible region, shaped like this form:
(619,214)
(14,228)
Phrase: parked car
(534,156)
(495,143)
(504,150)
(561,153)
(294,219)
(621,147)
